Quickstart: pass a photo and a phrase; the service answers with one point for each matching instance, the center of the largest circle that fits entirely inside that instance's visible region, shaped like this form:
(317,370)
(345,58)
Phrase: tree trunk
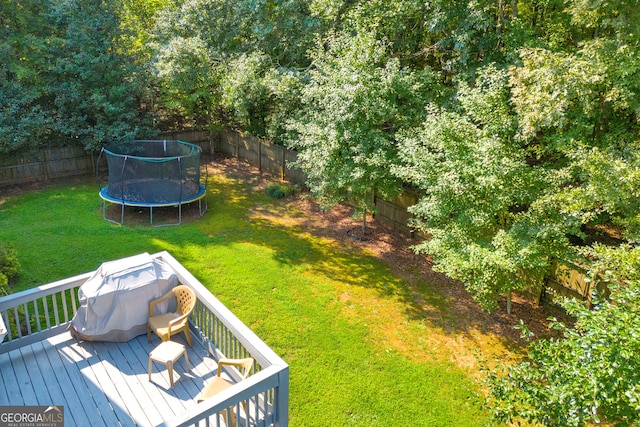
(500,17)
(509,302)
(364,222)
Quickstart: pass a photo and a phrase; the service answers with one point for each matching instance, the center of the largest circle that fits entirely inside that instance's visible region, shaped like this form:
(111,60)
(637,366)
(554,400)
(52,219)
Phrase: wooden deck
(102,384)
(107,383)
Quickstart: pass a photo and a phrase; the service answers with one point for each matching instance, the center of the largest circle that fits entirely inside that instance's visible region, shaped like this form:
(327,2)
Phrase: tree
(70,75)
(476,191)
(578,113)
(189,78)
(354,102)
(24,111)
(281,29)
(501,198)
(235,64)
(591,374)
(98,89)
(245,92)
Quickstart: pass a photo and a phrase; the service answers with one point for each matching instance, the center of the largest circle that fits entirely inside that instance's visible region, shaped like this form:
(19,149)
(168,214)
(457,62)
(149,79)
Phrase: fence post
(42,154)
(282,174)
(260,155)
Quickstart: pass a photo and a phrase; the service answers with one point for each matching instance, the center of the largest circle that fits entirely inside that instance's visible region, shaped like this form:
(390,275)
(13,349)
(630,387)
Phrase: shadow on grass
(67,236)
(295,239)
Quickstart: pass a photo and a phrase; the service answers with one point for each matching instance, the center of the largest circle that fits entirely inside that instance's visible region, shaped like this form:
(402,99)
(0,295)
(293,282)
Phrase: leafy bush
(9,265)
(279,191)
(591,374)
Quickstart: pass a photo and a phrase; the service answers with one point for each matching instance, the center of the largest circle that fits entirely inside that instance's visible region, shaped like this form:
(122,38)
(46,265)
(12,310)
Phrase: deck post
(282,401)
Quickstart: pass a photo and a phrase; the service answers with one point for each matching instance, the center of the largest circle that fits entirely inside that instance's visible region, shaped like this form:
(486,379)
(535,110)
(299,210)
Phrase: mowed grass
(358,355)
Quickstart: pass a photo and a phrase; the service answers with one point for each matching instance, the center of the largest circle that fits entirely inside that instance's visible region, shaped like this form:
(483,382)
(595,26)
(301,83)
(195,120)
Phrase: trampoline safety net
(153,172)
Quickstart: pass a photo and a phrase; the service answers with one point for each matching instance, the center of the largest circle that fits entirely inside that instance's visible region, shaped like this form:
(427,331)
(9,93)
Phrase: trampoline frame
(106,200)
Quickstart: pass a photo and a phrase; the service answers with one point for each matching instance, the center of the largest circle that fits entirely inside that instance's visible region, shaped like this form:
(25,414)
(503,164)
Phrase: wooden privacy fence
(395,212)
(569,280)
(261,154)
(44,164)
(277,159)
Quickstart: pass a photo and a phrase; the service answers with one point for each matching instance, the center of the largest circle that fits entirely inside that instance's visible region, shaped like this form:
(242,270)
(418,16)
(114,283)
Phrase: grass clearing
(359,353)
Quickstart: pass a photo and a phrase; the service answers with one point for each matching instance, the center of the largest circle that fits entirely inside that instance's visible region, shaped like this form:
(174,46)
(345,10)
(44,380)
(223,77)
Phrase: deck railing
(39,313)
(262,399)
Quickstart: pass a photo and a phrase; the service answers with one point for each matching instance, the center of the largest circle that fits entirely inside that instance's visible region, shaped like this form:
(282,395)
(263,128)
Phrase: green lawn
(343,322)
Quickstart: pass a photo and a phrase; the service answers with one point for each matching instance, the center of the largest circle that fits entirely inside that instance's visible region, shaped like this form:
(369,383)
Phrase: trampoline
(152,174)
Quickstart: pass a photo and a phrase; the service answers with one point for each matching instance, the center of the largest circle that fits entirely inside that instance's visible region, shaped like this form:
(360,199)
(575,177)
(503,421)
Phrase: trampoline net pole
(124,162)
(181,173)
(98,167)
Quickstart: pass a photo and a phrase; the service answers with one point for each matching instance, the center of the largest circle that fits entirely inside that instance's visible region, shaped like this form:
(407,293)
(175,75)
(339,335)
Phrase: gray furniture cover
(114,302)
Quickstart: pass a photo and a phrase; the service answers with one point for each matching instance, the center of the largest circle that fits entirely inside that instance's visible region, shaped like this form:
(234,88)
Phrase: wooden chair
(168,324)
(217,384)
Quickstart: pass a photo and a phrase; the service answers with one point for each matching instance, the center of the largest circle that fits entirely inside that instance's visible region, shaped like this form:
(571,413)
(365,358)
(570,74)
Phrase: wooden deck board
(105,383)
(78,393)
(4,368)
(147,391)
(37,379)
(102,383)
(131,370)
(22,375)
(14,393)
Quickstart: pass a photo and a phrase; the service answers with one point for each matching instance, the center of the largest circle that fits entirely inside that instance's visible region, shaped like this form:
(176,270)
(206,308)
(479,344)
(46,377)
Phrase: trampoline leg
(151,215)
(122,215)
(200,206)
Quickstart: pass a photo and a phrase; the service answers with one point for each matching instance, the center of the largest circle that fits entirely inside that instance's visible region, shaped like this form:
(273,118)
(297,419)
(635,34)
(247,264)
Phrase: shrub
(9,265)
(278,191)
(4,283)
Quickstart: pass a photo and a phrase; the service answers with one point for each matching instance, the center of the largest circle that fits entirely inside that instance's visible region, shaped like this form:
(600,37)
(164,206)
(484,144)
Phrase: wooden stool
(168,352)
